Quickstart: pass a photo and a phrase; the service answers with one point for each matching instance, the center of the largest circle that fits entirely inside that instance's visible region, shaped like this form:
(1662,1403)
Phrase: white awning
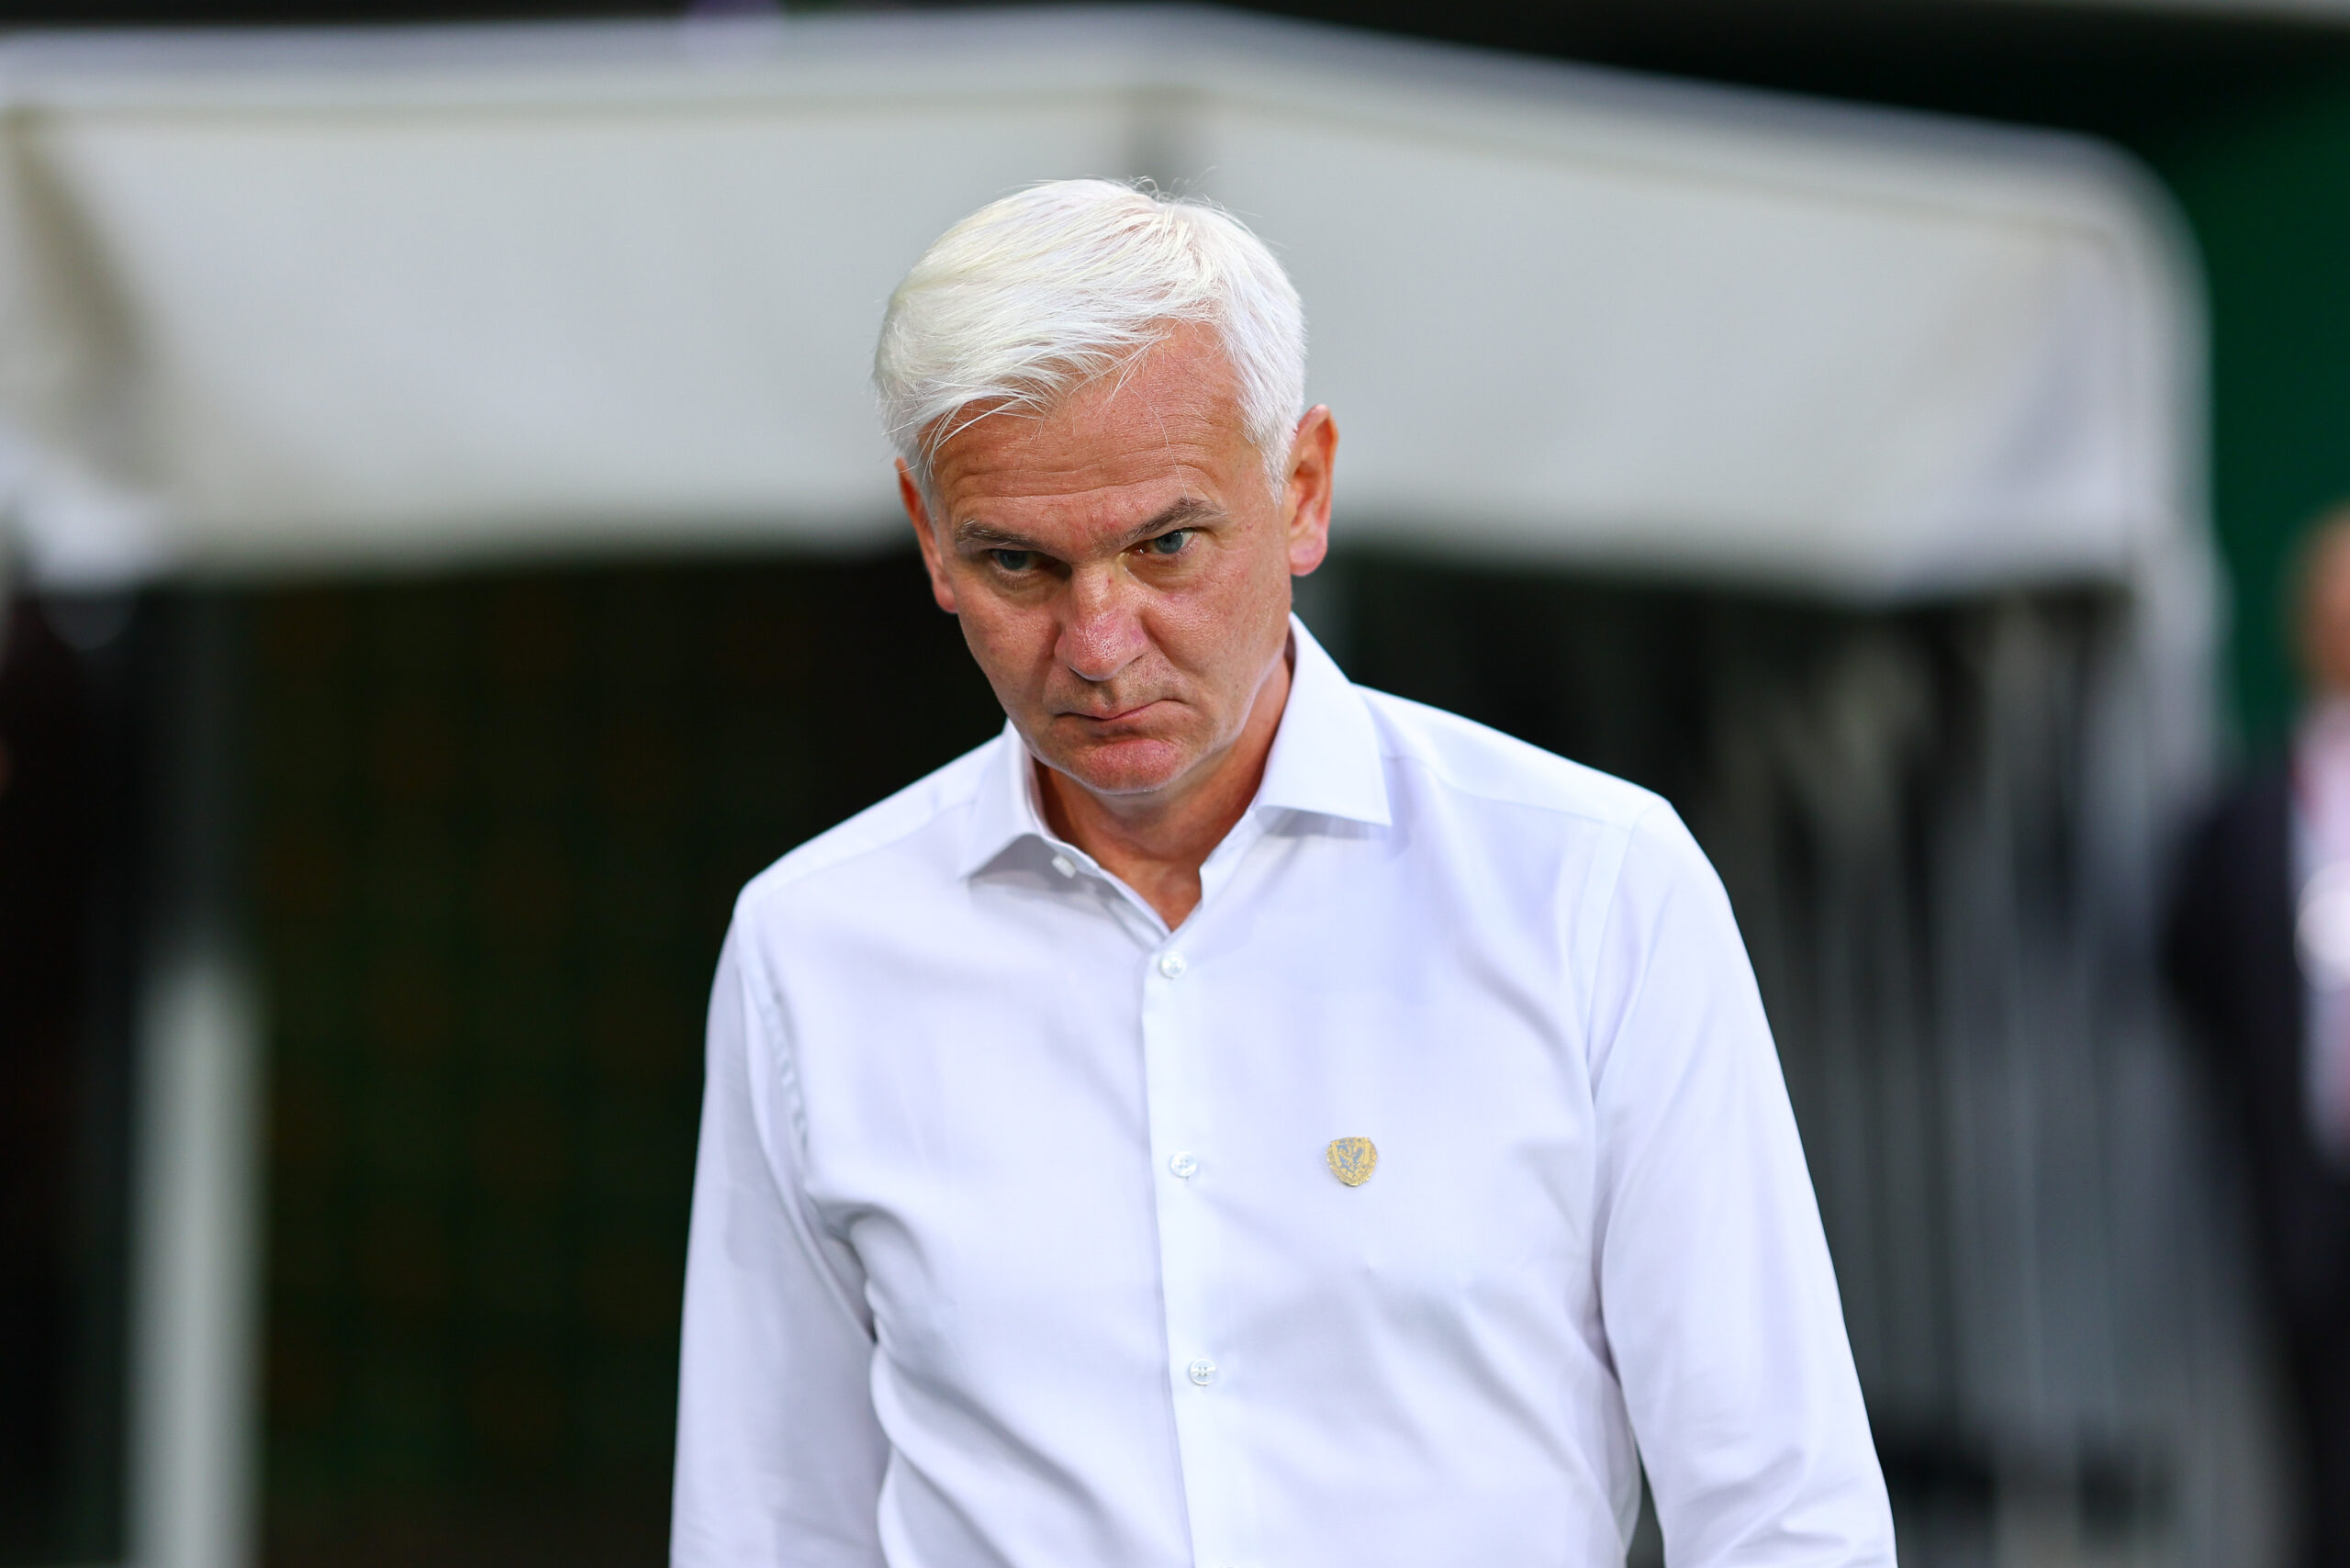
(276,302)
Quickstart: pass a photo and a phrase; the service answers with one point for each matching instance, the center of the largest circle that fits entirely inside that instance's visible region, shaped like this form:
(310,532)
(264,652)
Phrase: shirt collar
(1325,759)
(1325,756)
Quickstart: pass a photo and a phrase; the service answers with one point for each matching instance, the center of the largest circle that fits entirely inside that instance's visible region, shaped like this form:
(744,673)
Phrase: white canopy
(302,302)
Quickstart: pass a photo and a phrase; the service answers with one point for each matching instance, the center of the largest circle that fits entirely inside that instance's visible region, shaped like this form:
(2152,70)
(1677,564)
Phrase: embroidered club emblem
(1352,1159)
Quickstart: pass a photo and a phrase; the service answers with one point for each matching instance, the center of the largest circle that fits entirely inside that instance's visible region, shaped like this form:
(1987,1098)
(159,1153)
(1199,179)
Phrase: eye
(1013,561)
(1168,543)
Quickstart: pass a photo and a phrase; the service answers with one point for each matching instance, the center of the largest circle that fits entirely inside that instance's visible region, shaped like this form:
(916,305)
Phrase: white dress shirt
(1016,1241)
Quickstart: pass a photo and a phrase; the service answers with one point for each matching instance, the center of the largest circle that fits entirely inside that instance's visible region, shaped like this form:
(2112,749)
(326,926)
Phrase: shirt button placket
(1173,1042)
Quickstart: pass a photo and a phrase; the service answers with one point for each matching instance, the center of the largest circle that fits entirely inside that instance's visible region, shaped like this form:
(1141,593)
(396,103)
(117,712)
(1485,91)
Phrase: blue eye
(1171,543)
(1014,561)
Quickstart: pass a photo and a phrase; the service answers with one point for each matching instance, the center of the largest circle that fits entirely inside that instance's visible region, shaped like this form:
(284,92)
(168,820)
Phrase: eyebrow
(1186,512)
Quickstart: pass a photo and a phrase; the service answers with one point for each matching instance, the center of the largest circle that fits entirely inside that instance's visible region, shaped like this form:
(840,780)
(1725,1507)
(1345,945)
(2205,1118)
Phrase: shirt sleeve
(1717,1292)
(779,1457)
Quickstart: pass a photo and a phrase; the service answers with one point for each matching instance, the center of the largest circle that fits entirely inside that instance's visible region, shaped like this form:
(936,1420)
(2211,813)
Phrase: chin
(1127,768)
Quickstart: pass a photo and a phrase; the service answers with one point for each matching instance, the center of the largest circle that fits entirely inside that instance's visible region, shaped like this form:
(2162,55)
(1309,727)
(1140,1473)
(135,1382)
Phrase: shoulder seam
(783,873)
(1597,906)
(1644,799)
(760,983)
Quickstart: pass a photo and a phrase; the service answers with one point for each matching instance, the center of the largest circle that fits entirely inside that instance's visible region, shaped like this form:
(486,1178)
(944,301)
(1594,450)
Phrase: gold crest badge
(1352,1159)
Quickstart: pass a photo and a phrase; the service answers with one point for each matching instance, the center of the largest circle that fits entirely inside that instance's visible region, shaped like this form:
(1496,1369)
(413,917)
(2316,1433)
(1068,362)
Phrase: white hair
(1066,282)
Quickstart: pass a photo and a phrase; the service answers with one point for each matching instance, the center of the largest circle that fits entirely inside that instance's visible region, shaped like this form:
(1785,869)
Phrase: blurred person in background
(2258,949)
(1234,1116)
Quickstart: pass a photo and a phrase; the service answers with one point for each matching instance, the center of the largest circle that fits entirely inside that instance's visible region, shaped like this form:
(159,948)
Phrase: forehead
(1172,422)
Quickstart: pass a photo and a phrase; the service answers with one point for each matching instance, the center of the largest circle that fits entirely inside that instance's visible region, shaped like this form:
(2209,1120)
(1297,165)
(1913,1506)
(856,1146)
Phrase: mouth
(1121,716)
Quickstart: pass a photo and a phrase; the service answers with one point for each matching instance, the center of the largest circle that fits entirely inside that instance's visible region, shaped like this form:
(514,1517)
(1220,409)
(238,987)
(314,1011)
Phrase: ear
(1305,498)
(933,560)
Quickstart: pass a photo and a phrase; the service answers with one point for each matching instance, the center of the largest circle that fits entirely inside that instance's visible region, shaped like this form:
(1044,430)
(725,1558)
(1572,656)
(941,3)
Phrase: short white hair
(1066,282)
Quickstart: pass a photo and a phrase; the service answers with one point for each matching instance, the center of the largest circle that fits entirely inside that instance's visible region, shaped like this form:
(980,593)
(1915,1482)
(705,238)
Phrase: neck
(1156,842)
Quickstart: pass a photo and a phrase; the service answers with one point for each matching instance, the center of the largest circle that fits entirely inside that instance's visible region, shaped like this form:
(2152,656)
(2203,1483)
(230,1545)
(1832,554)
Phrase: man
(2259,955)
(1232,1118)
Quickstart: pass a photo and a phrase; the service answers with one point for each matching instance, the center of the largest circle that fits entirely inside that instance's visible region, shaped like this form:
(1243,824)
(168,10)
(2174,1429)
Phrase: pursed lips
(1123,713)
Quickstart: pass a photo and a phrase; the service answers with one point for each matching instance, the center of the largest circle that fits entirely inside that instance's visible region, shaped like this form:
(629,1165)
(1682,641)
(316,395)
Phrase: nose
(1100,632)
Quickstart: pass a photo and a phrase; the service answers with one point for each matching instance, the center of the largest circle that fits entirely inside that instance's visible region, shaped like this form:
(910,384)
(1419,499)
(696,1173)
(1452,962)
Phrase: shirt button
(1201,1372)
(1065,865)
(1184,1164)
(1172,964)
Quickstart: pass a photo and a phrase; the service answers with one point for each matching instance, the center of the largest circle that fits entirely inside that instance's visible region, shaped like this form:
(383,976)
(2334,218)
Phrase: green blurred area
(2267,195)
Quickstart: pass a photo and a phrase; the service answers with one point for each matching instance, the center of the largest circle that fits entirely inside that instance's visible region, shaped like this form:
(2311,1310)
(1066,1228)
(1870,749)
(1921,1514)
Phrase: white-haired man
(1233,1117)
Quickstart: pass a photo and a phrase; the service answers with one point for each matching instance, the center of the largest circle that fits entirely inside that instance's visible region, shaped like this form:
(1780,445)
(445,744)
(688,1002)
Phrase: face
(1121,566)
(2325,611)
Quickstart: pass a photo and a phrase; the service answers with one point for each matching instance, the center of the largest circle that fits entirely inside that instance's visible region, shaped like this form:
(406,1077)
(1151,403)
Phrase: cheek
(1232,613)
(1011,640)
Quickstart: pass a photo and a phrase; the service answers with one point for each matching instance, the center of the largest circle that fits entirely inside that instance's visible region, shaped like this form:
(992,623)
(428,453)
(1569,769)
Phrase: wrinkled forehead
(1174,419)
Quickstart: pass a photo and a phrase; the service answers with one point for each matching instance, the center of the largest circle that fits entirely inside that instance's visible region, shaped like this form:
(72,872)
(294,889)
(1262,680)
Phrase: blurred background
(448,550)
